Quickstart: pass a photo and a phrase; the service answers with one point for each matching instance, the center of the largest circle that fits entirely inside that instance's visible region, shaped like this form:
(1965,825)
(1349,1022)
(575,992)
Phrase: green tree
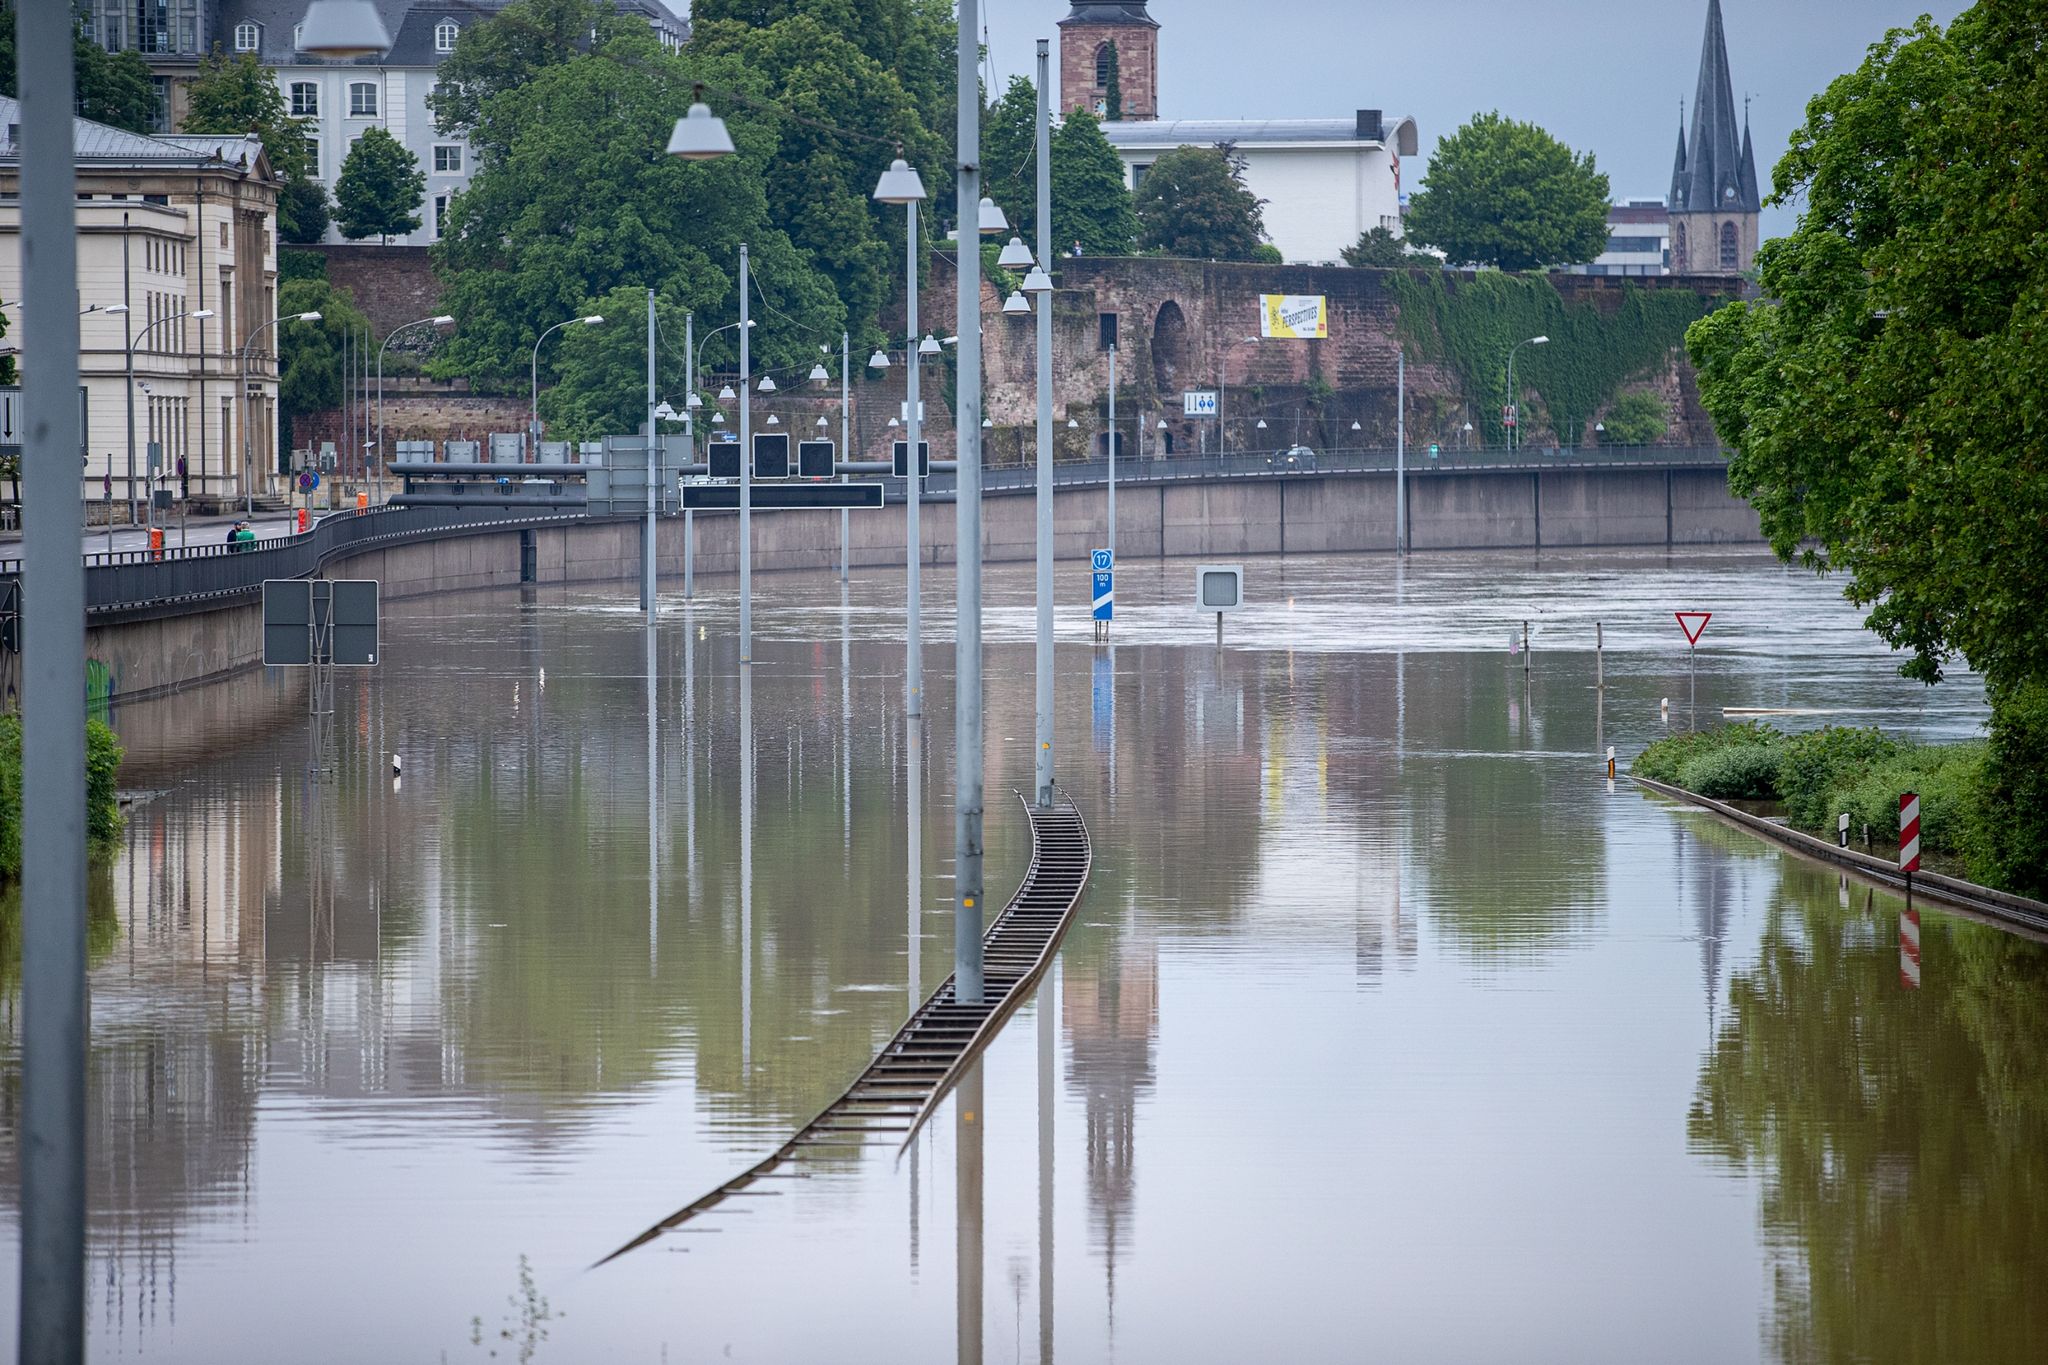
(601,372)
(526,246)
(509,49)
(236,95)
(1113,89)
(113,88)
(1884,397)
(1638,418)
(1090,202)
(309,353)
(1508,194)
(1377,247)
(379,190)
(1193,203)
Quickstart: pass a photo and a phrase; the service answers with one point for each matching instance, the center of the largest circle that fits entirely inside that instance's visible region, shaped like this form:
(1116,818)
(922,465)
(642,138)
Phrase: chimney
(1370,128)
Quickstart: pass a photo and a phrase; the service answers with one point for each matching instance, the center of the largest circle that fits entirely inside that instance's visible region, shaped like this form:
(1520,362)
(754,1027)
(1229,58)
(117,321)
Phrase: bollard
(362,502)
(305,519)
(1842,829)
(1525,646)
(156,542)
(1610,763)
(1599,656)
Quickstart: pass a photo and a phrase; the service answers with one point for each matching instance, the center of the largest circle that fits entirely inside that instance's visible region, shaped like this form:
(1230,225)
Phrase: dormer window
(445,34)
(247,37)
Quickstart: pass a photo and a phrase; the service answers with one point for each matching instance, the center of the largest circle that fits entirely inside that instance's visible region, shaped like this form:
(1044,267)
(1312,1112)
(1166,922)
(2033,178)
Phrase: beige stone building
(167,225)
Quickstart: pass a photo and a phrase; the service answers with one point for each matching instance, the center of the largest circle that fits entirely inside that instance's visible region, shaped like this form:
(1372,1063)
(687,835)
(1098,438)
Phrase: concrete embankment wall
(1304,515)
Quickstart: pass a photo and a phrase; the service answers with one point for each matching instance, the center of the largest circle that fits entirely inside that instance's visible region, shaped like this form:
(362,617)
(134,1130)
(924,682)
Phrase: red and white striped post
(1909,863)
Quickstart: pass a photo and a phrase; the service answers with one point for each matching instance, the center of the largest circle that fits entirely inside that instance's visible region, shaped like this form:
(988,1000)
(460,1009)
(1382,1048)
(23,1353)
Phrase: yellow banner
(1293,317)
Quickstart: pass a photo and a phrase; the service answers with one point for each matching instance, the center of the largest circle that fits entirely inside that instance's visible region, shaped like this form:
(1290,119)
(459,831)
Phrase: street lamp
(1015,306)
(202,314)
(902,185)
(700,135)
(438,320)
(1513,401)
(1015,256)
(248,492)
(593,320)
(342,28)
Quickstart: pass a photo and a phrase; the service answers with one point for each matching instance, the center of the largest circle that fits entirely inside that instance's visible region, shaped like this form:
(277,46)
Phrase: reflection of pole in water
(1909,947)
(967,1124)
(653,815)
(913,934)
(690,758)
(845,708)
(746,874)
(1045,1155)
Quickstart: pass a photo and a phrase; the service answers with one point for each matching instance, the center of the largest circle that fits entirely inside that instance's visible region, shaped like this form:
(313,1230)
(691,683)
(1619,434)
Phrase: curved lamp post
(534,373)
(438,320)
(202,314)
(1514,401)
(248,467)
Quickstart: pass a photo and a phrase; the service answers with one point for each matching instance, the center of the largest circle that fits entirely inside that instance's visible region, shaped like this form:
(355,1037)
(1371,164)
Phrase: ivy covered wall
(1469,323)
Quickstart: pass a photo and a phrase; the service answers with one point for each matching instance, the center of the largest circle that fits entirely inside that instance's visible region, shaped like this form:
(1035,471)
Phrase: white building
(339,99)
(1638,241)
(166,226)
(1326,182)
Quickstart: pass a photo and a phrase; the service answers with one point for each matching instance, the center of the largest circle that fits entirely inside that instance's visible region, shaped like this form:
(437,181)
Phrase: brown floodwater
(1387,1028)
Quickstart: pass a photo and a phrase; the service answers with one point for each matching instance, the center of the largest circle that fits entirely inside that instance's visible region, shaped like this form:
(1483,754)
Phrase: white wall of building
(401,105)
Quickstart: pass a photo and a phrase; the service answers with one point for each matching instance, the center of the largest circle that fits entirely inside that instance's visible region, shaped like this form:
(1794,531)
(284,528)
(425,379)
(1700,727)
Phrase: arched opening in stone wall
(1169,348)
(1731,250)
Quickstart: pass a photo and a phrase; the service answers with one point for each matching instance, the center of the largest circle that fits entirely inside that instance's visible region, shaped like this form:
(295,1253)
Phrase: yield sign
(1692,623)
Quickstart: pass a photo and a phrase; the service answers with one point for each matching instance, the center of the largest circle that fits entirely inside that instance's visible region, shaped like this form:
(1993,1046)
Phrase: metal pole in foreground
(913,493)
(1401,453)
(653,468)
(1045,255)
(967,735)
(1112,457)
(52,1124)
(846,449)
(690,426)
(746,477)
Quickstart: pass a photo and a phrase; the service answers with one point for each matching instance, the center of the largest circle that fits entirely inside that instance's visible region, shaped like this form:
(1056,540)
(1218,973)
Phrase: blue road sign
(1104,589)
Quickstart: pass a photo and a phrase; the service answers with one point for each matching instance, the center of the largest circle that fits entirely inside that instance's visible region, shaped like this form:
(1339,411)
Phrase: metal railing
(128,580)
(1264,464)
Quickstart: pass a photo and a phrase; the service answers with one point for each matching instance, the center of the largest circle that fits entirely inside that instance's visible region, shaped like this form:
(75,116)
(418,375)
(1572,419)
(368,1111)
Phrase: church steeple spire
(1678,163)
(1719,176)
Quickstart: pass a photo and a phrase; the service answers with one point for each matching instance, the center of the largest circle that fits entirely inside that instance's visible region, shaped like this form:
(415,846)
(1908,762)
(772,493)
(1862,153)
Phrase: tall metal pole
(1112,455)
(690,425)
(52,1122)
(845,449)
(653,468)
(128,327)
(746,474)
(1401,453)
(1045,257)
(1517,407)
(967,986)
(913,494)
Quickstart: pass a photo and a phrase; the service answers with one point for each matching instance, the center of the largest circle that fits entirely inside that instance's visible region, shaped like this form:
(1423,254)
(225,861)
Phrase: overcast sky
(1605,76)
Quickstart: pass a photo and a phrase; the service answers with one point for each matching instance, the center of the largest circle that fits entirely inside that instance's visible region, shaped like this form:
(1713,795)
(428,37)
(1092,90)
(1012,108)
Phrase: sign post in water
(1103,590)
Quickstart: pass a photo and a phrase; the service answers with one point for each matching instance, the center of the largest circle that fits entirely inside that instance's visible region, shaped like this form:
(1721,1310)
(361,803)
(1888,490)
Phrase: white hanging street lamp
(1015,306)
(1016,256)
(343,28)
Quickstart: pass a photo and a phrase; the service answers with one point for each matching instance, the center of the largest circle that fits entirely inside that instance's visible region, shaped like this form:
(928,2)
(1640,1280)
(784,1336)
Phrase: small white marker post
(1842,829)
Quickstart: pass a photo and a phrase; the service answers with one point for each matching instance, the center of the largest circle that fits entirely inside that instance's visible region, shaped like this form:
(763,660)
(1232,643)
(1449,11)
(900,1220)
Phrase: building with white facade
(1638,241)
(166,226)
(1326,182)
(339,100)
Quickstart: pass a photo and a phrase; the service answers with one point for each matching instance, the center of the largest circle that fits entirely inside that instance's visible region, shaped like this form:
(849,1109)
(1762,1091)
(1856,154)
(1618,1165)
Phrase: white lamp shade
(1356,427)
(879,360)
(1539,341)
(693,401)
(727,392)
(700,135)
(1037,282)
(1262,424)
(767,384)
(593,320)
(1015,304)
(443,320)
(1015,256)
(773,420)
(899,184)
(929,346)
(343,28)
(1162,424)
(664,411)
(820,423)
(992,219)
(818,373)
(894,423)
(717,419)
(1072,424)
(987,422)
(309,317)
(203,313)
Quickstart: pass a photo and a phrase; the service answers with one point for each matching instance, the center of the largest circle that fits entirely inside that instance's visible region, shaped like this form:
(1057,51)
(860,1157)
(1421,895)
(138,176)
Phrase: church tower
(1715,201)
(1086,36)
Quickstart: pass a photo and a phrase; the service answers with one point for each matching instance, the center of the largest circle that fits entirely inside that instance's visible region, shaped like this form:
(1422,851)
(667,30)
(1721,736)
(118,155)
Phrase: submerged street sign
(1103,590)
(1692,623)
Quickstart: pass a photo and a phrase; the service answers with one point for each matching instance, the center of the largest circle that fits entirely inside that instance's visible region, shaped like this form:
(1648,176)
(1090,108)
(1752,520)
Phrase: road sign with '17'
(1103,574)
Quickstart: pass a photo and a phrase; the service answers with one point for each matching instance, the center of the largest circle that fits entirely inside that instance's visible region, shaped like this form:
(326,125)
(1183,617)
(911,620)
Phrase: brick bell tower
(1085,38)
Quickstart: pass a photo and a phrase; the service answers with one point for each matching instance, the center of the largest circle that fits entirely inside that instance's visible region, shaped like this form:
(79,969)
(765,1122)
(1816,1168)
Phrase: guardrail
(1176,468)
(132,580)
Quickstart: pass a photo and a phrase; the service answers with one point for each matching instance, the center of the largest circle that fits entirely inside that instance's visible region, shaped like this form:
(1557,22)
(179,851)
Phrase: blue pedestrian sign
(1104,594)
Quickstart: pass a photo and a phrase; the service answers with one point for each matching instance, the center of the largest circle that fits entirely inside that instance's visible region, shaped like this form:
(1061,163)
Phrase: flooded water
(1387,1029)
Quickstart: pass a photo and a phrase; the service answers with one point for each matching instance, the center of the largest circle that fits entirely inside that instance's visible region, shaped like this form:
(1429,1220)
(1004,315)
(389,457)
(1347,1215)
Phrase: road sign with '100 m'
(1103,593)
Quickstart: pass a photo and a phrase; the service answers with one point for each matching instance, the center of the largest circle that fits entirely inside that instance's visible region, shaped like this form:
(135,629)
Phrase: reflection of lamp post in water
(967,1251)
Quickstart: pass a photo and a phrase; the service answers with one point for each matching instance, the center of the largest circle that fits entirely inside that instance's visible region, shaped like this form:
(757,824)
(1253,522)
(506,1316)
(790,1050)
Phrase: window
(1635,244)
(447,159)
(313,152)
(298,37)
(1138,170)
(305,100)
(440,214)
(445,34)
(1102,66)
(1731,249)
(1106,325)
(362,99)
(245,37)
